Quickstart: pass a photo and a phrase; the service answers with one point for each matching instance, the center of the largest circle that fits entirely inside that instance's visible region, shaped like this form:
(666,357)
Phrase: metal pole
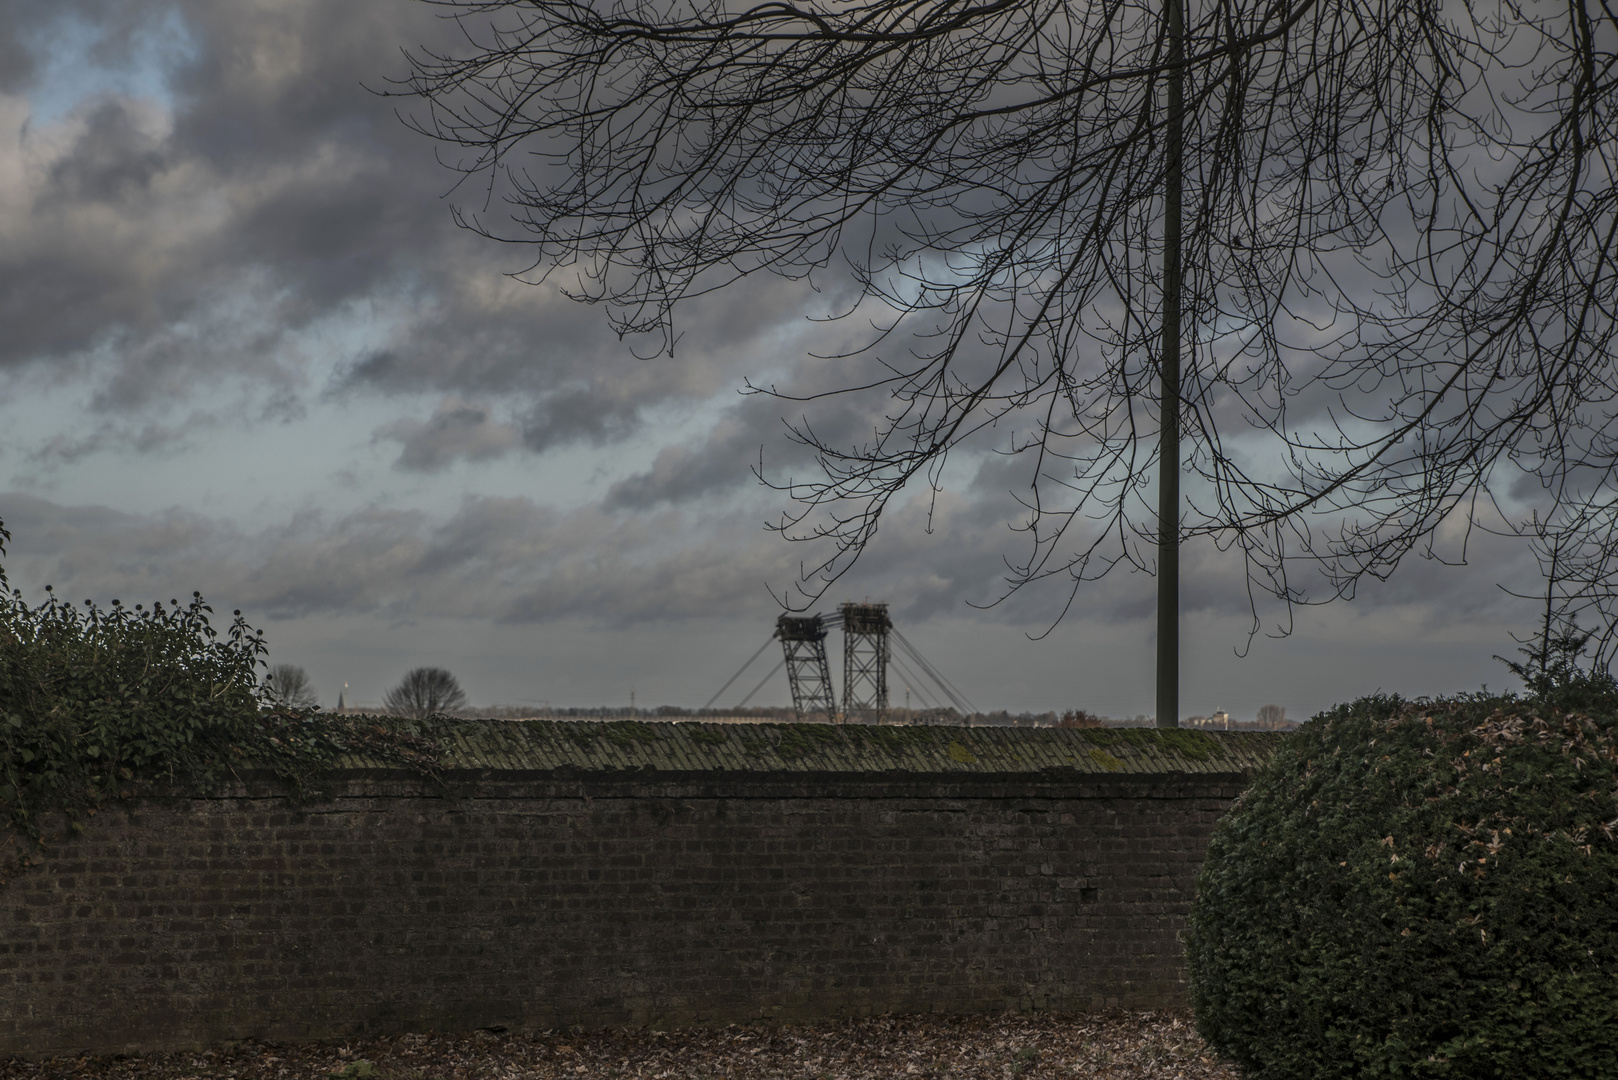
(1168,463)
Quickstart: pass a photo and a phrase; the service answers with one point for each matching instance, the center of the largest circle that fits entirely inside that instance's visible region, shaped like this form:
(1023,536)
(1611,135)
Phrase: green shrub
(90,697)
(1419,889)
(93,701)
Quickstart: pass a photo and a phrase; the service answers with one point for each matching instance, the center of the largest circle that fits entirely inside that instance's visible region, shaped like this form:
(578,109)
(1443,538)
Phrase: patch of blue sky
(75,61)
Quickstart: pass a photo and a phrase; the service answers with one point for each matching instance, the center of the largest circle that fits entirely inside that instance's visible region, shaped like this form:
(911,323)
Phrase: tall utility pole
(1168,451)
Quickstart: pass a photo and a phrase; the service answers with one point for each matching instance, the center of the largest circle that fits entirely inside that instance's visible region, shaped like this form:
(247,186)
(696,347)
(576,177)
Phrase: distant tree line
(944,717)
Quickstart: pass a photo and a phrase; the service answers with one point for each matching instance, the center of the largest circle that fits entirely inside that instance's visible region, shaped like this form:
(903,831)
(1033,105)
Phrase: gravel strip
(1114,1046)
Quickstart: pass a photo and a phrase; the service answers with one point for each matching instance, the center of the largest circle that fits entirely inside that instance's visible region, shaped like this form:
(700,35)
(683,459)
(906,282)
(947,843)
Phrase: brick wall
(542,900)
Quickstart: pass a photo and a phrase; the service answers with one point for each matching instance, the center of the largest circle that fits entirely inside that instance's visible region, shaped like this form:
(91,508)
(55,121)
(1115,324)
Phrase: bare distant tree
(423,692)
(1272,715)
(289,685)
(1346,270)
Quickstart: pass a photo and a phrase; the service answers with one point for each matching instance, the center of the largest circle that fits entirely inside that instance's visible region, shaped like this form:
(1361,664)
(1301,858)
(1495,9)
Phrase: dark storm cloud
(160,250)
(154,254)
(724,460)
(191,248)
(16,65)
(577,414)
(761,435)
(457,430)
(186,249)
(115,164)
(510,560)
(502,559)
(142,439)
(92,551)
(180,248)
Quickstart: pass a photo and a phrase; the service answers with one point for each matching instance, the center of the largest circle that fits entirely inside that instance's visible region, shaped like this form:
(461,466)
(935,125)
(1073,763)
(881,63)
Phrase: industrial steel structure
(868,640)
(803,640)
(865,658)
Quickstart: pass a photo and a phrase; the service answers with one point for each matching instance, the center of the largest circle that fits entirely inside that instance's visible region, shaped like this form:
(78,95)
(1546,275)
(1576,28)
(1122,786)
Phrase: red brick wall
(538,901)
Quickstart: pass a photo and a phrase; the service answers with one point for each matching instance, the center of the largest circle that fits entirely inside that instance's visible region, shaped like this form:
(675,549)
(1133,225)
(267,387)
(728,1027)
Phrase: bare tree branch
(1399,245)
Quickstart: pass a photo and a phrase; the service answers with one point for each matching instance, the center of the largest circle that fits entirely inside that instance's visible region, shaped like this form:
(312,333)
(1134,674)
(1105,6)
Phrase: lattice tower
(803,640)
(865,658)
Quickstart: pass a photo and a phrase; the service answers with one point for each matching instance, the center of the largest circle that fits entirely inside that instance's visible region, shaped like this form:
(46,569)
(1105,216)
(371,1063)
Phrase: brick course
(539,899)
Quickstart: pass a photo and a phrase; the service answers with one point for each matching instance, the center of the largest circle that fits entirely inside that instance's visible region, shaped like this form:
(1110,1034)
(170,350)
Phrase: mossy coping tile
(694,747)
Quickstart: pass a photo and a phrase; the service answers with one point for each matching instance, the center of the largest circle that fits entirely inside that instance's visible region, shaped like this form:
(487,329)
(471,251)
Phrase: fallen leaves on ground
(1105,1046)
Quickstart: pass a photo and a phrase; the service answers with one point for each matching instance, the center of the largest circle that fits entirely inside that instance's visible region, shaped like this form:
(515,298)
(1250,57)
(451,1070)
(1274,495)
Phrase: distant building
(1220,719)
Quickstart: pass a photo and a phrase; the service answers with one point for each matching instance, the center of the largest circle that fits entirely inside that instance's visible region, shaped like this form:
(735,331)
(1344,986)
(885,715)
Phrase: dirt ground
(1113,1046)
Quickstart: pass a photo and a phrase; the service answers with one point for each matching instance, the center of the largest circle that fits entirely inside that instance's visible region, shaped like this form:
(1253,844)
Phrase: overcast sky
(245,350)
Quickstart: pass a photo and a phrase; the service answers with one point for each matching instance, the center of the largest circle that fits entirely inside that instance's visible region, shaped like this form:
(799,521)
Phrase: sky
(245,349)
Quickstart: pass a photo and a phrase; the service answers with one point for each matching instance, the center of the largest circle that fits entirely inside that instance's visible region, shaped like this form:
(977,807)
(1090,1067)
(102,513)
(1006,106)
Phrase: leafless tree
(424,692)
(1272,715)
(290,686)
(1361,253)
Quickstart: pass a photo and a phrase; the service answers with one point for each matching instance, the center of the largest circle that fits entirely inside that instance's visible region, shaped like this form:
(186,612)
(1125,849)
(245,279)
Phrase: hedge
(1419,889)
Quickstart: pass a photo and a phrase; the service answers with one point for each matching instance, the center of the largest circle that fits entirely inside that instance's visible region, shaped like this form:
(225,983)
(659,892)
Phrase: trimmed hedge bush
(1419,889)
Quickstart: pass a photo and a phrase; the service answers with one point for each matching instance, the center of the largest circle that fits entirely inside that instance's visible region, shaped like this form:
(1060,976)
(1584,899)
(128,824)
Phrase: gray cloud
(517,567)
(237,240)
(16,64)
(503,559)
(680,473)
(141,439)
(156,255)
(457,430)
(278,191)
(577,414)
(160,253)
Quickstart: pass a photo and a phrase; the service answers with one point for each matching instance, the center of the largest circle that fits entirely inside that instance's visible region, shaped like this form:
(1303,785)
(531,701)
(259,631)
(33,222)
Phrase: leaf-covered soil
(1109,1046)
